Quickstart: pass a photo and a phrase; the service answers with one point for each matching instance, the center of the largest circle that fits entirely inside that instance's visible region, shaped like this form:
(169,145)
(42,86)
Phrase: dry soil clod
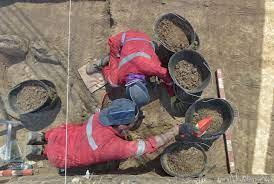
(188,75)
(185,161)
(31,97)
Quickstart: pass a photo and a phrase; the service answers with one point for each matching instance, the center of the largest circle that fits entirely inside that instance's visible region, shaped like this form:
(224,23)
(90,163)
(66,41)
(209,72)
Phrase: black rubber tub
(193,57)
(12,96)
(222,105)
(178,146)
(181,23)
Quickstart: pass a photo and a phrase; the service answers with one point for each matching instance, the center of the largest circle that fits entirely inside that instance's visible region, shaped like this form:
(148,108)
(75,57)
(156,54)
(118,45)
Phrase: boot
(96,67)
(36,138)
(34,152)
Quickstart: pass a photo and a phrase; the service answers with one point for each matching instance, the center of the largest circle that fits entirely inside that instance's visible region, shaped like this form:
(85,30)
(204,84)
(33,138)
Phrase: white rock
(87,176)
(75,180)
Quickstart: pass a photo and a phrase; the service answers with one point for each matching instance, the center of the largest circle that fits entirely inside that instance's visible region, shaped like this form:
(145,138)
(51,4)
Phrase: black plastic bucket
(180,22)
(12,96)
(224,106)
(164,51)
(182,146)
(193,57)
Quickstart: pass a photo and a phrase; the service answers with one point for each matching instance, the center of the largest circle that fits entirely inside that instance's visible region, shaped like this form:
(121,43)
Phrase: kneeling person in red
(98,140)
(132,58)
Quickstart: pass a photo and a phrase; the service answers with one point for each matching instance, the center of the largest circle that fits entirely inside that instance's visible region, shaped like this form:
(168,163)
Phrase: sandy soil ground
(229,40)
(49,22)
(231,35)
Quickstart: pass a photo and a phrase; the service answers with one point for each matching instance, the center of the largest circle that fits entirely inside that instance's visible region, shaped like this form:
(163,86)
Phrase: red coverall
(91,143)
(132,52)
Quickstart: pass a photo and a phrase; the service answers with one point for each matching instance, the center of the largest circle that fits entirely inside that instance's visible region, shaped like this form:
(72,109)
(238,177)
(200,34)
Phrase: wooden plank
(228,135)
(93,82)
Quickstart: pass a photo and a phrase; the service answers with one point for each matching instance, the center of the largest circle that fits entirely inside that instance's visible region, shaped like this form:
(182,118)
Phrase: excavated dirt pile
(184,161)
(188,75)
(31,97)
(172,35)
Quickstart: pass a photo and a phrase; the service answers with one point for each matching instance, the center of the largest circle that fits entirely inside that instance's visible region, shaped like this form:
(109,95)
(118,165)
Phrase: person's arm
(163,139)
(162,73)
(126,149)
(114,43)
(110,71)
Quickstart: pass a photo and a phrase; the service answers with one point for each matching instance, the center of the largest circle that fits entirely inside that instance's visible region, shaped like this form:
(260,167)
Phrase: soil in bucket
(172,35)
(188,75)
(185,161)
(217,119)
(31,97)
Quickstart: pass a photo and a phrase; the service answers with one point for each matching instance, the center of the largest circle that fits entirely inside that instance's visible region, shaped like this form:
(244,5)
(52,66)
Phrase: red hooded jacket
(132,52)
(91,143)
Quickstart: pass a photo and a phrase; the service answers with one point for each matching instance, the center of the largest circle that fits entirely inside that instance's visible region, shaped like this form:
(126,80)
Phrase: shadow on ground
(270,167)
(113,168)
(39,120)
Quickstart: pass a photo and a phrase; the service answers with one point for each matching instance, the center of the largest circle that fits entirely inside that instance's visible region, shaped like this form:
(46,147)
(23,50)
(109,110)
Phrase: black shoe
(36,138)
(98,66)
(92,68)
(34,152)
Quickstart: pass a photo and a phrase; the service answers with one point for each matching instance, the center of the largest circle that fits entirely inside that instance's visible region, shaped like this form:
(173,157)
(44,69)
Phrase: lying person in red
(98,140)
(131,60)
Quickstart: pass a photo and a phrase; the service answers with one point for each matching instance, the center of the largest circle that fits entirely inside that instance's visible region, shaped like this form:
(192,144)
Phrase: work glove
(186,130)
